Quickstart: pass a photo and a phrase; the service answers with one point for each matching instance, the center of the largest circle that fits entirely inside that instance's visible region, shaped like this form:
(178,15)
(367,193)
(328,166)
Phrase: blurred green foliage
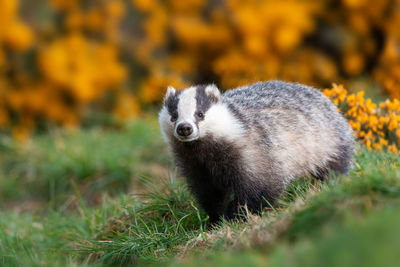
(96,161)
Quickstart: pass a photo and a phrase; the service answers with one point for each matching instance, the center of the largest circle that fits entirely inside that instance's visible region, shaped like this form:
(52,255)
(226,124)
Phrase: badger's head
(194,113)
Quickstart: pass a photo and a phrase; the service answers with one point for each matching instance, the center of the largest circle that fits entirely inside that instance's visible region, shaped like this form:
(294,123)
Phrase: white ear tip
(170,90)
(212,90)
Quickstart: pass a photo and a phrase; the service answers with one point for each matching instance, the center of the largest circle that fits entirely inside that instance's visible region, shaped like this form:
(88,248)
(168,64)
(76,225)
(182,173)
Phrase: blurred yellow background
(62,60)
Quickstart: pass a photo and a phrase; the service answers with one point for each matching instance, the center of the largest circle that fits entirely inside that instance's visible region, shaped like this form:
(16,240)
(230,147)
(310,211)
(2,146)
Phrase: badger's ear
(170,93)
(212,91)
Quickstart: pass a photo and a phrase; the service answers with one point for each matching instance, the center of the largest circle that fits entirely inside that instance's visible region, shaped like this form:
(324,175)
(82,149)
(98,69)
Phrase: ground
(112,197)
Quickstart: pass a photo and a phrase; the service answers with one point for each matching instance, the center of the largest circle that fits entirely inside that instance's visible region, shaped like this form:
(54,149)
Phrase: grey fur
(286,131)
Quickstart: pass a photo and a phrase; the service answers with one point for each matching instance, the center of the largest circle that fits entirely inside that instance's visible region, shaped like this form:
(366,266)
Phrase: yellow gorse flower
(14,33)
(75,66)
(378,126)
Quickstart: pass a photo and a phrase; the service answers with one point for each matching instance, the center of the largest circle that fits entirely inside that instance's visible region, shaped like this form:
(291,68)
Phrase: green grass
(106,197)
(48,169)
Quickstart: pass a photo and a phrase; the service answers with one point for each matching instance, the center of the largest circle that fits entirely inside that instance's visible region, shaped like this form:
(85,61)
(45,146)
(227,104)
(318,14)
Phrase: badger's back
(295,125)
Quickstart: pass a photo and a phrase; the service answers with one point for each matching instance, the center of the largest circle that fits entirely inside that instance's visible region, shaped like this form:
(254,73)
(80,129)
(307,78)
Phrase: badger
(243,147)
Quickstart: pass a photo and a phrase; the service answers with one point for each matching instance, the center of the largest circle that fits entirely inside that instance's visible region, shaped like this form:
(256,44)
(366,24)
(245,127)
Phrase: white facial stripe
(187,105)
(220,122)
(186,108)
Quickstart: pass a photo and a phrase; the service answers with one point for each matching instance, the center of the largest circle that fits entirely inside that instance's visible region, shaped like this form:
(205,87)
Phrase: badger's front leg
(250,197)
(213,199)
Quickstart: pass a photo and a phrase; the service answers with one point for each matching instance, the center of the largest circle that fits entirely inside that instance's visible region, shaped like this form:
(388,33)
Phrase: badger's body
(244,146)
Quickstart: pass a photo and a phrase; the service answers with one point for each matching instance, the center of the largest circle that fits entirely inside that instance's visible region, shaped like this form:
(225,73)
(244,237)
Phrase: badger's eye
(200,115)
(174,117)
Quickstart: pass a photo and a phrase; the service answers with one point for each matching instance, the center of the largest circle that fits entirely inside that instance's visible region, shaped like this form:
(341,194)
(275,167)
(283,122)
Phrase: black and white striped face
(186,114)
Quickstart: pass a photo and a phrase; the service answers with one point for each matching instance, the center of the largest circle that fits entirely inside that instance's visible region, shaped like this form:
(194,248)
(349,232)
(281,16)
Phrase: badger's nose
(184,129)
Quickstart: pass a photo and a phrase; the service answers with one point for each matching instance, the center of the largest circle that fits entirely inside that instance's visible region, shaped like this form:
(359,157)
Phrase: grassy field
(112,197)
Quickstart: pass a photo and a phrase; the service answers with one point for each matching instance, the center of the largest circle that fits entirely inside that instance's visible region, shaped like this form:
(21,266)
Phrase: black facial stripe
(172,103)
(203,101)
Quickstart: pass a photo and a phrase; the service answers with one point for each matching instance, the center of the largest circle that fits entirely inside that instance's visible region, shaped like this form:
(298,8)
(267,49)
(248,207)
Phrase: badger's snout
(184,129)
